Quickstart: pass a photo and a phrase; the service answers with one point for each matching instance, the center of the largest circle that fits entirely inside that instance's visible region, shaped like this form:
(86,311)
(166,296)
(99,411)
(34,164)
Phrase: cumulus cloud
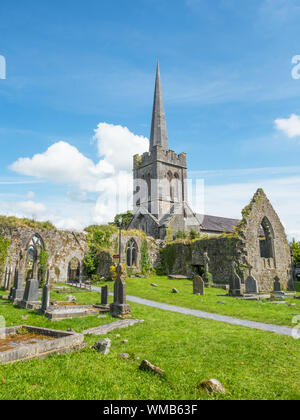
(118,145)
(63,163)
(289,126)
(110,177)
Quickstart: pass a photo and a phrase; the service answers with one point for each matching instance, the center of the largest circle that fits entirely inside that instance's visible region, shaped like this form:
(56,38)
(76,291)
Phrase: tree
(126,219)
(295,246)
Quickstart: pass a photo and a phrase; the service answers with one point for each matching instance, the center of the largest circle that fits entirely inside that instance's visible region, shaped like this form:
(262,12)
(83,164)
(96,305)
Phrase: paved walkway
(207,315)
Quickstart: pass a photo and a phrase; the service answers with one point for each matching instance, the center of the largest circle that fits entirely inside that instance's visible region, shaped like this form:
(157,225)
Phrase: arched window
(36,244)
(131,252)
(266,239)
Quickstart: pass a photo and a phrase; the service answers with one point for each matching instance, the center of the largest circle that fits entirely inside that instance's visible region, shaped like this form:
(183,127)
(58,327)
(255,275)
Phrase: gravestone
(207,277)
(235,282)
(104,295)
(17,291)
(198,286)
(119,308)
(251,285)
(31,293)
(46,295)
(277,285)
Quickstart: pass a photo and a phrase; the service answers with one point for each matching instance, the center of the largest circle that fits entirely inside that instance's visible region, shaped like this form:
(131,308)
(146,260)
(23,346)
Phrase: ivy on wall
(4,245)
(145,261)
(44,257)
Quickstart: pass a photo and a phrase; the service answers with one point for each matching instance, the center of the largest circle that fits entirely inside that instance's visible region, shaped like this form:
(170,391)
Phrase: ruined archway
(33,252)
(74,270)
(266,239)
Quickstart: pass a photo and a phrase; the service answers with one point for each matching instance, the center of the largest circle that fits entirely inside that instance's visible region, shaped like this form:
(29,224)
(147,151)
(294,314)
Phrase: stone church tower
(160,181)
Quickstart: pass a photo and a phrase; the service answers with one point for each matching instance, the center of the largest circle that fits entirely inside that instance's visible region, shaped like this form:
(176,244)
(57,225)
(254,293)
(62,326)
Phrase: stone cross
(206,267)
(104,295)
(198,286)
(120,288)
(119,308)
(235,282)
(46,294)
(277,284)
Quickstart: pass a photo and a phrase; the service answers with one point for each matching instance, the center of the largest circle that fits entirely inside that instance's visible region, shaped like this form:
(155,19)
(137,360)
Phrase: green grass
(251,364)
(256,311)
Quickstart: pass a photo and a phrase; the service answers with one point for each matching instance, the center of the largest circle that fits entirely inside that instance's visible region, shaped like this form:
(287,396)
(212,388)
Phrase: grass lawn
(265,311)
(251,364)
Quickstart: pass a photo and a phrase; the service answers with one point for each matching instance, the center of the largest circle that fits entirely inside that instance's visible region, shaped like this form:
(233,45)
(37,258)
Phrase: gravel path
(207,315)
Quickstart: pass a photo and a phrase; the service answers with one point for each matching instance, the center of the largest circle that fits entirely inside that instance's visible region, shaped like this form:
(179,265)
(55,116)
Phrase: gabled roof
(218,224)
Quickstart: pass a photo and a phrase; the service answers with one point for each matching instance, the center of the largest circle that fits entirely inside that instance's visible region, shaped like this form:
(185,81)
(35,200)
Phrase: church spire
(159,135)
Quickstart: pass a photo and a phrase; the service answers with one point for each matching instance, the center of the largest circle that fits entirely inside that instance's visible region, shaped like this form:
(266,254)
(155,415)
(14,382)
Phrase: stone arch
(131,253)
(31,262)
(74,269)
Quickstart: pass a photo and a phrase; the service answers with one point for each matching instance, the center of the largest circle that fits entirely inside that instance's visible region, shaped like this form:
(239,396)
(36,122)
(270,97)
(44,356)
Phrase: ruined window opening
(74,270)
(131,252)
(266,239)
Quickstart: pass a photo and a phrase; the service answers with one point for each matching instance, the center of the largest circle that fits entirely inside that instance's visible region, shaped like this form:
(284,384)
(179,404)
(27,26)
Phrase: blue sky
(229,96)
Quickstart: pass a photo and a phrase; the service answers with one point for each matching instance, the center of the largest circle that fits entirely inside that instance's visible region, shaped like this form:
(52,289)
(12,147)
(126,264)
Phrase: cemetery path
(207,315)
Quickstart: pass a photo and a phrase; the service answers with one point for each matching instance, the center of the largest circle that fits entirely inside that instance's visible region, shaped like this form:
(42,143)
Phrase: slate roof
(218,224)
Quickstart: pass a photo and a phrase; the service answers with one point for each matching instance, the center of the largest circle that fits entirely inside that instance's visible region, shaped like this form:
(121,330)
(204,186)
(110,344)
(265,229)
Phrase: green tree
(126,219)
(295,246)
(4,244)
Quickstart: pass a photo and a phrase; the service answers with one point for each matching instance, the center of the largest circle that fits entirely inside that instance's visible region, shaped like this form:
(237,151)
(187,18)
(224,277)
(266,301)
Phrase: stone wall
(260,211)
(62,247)
(106,257)
(260,221)
(188,258)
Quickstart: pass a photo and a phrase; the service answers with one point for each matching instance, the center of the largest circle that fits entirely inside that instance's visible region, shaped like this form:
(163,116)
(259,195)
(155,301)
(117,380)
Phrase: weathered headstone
(119,308)
(251,285)
(198,286)
(277,285)
(235,282)
(104,295)
(31,293)
(46,295)
(17,290)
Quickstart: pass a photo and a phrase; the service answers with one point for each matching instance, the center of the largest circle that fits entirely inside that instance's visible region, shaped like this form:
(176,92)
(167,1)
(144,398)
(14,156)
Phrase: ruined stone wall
(187,258)
(266,269)
(106,257)
(61,246)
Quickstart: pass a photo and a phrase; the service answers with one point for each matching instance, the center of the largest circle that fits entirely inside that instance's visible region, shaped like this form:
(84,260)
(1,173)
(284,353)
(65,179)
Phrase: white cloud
(118,145)
(63,163)
(110,178)
(290,126)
